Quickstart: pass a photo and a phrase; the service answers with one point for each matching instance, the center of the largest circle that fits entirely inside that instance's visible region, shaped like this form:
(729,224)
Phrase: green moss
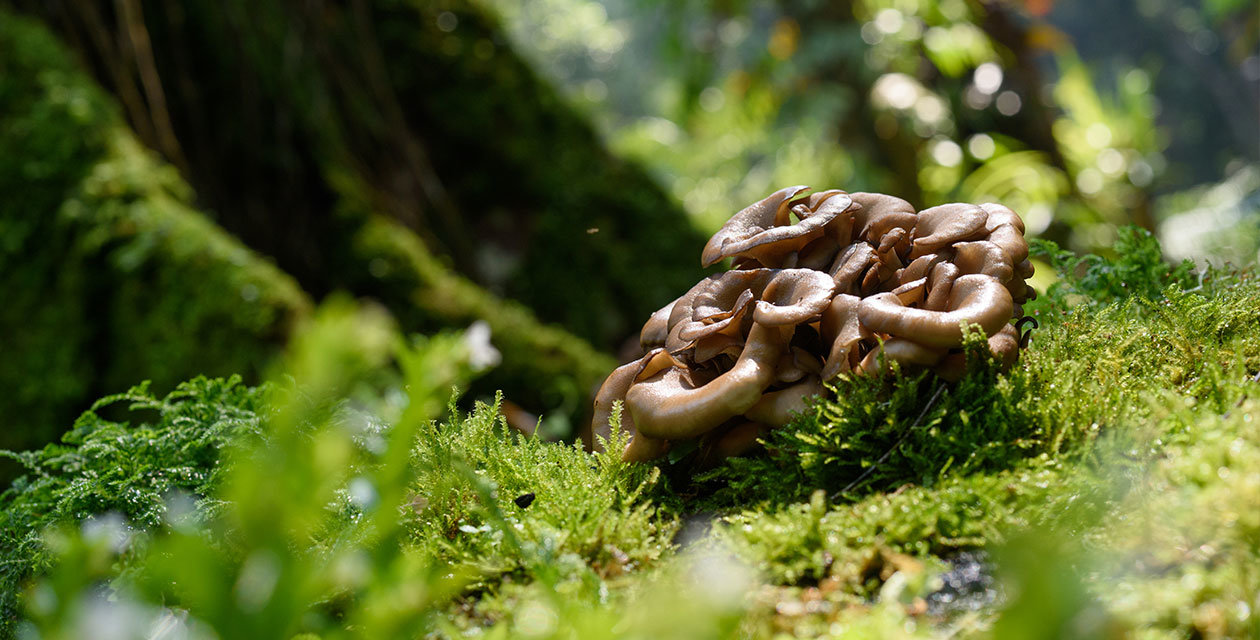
(131,468)
(110,276)
(516,510)
(184,294)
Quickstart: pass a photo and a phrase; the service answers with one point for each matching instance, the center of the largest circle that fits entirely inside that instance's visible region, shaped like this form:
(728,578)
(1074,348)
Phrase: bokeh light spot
(988,78)
(1089,181)
(1098,135)
(1009,103)
(947,153)
(889,21)
(447,21)
(981,146)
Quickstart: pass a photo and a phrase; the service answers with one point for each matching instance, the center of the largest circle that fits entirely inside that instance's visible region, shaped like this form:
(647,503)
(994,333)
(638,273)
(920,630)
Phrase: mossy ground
(1108,483)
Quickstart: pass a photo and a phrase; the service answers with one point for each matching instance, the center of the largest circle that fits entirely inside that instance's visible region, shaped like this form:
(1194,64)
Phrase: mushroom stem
(776,407)
(738,440)
(906,352)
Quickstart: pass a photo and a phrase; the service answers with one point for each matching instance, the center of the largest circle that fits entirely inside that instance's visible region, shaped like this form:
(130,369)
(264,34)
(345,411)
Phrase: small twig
(869,470)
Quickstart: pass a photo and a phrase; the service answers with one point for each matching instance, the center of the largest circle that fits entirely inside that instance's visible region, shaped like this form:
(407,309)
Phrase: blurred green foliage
(934,101)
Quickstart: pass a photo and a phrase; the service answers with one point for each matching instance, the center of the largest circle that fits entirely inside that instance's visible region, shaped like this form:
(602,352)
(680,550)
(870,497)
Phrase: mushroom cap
(912,293)
(946,224)
(681,311)
(1012,242)
(850,264)
(920,267)
(710,323)
(893,242)
(615,387)
(880,213)
(999,215)
(723,336)
(974,299)
(940,283)
(794,296)
(642,449)
(764,222)
(656,329)
(669,406)
(982,256)
(1004,345)
(724,290)
(842,330)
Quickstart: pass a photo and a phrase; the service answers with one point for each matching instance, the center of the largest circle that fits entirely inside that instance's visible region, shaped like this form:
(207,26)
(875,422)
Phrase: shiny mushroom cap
(753,222)
(974,299)
(669,406)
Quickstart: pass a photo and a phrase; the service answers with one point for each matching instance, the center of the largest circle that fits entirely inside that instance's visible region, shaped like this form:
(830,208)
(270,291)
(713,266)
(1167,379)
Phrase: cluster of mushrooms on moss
(821,283)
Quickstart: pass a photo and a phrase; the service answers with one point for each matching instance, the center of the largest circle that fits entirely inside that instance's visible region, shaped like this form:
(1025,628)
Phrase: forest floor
(1104,487)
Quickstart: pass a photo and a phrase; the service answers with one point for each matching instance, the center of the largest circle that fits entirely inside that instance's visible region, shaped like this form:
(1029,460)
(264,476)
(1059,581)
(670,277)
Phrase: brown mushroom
(761,231)
(1004,345)
(1011,241)
(911,293)
(724,336)
(946,224)
(656,329)
(881,213)
(667,406)
(999,215)
(974,299)
(850,265)
(775,408)
(794,296)
(842,330)
(838,206)
(744,349)
(906,352)
(614,388)
(940,283)
(920,267)
(982,256)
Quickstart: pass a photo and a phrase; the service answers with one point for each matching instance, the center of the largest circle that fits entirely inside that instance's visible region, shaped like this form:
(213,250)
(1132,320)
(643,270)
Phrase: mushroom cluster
(821,283)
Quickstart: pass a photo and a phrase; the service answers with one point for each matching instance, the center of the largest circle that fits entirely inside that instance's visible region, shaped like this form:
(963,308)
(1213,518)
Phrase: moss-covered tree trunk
(112,276)
(420,111)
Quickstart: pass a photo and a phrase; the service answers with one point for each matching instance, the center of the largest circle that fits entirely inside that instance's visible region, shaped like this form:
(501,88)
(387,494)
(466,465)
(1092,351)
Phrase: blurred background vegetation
(181,181)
